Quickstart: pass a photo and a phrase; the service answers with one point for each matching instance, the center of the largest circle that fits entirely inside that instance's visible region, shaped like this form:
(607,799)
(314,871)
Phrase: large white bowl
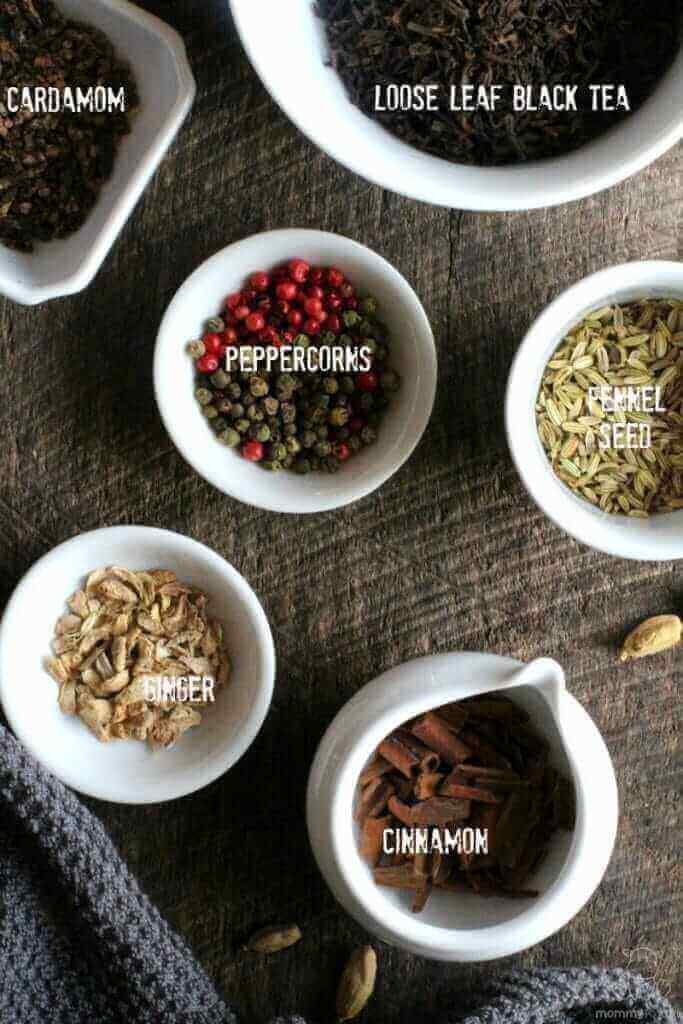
(655,539)
(157,56)
(311,93)
(462,926)
(129,771)
(413,355)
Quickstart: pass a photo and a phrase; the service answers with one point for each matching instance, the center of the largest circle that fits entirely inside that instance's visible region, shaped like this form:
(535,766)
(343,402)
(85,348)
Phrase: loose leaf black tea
(53,162)
(483,43)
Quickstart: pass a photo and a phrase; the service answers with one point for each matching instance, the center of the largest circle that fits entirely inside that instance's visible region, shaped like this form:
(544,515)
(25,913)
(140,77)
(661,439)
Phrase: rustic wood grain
(449,554)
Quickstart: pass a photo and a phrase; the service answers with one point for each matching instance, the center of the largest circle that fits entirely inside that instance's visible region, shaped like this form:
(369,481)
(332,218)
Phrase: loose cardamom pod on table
(357,983)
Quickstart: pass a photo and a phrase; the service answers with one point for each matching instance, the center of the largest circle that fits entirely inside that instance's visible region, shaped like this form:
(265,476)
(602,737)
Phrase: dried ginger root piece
(123,631)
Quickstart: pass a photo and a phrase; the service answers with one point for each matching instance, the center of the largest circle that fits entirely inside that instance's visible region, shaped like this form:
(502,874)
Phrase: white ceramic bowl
(654,539)
(413,356)
(157,56)
(464,927)
(313,96)
(129,771)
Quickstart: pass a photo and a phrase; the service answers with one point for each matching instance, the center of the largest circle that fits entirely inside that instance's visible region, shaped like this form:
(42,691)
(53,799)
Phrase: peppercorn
(209,411)
(229,437)
(292,446)
(308,439)
(203,396)
(368,435)
(367,401)
(302,466)
(290,430)
(338,417)
(270,406)
(277,452)
(219,424)
(241,426)
(248,399)
(258,387)
(287,412)
(220,379)
(347,385)
(237,411)
(351,318)
(323,448)
(331,385)
(272,465)
(224,406)
(196,349)
(215,325)
(235,391)
(368,306)
(322,433)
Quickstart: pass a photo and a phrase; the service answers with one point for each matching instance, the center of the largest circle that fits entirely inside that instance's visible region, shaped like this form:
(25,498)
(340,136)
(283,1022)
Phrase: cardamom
(657,634)
(357,983)
(274,939)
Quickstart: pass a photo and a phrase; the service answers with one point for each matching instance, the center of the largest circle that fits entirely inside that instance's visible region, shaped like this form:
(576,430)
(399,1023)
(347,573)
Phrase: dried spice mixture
(54,162)
(610,408)
(128,647)
(313,419)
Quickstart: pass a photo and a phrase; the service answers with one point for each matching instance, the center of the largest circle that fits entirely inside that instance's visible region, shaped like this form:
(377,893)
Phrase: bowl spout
(544,675)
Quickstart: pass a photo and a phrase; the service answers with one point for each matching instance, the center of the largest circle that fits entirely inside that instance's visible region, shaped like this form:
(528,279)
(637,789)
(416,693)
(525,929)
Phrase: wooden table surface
(449,554)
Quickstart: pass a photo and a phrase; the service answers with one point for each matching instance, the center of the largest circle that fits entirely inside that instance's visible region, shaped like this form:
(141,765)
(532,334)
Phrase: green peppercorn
(290,430)
(285,386)
(302,341)
(237,411)
(258,387)
(203,396)
(210,411)
(292,445)
(196,349)
(322,433)
(220,379)
(369,306)
(338,417)
(371,345)
(254,414)
(308,439)
(368,435)
(323,448)
(288,412)
(331,385)
(216,325)
(261,432)
(272,465)
(347,385)
(288,462)
(328,338)
(219,424)
(351,318)
(235,391)
(270,406)
(355,443)
(277,452)
(229,437)
(248,399)
(241,426)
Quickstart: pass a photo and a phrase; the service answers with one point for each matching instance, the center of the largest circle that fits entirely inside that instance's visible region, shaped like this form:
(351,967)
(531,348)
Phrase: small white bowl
(658,538)
(156,54)
(312,95)
(129,771)
(454,926)
(413,355)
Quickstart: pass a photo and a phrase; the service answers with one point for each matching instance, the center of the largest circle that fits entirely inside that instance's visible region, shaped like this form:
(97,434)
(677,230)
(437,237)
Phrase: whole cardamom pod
(652,636)
(274,938)
(357,983)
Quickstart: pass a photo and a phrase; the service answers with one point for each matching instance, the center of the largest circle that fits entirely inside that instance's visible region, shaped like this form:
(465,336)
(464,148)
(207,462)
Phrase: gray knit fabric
(80,943)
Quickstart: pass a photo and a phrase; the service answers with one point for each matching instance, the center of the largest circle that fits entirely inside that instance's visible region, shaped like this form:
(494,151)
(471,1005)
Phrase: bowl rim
(568,189)
(122,208)
(346,496)
(571,514)
(574,883)
(264,693)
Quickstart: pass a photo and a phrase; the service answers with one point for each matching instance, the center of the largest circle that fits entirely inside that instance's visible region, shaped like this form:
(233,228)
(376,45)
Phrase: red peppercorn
(367,381)
(288,337)
(335,277)
(282,307)
(222,349)
(212,343)
(351,303)
(260,281)
(230,336)
(241,312)
(299,270)
(233,300)
(313,308)
(315,292)
(253,451)
(207,364)
(312,326)
(255,322)
(333,301)
(276,340)
(265,304)
(316,275)
(342,451)
(356,423)
(295,318)
(286,291)
(333,323)
(249,296)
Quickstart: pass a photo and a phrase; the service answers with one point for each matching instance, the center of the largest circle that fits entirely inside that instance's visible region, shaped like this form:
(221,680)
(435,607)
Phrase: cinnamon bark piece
(458,785)
(401,810)
(485,817)
(371,838)
(378,766)
(485,751)
(436,735)
(455,716)
(394,750)
(374,798)
(396,878)
(422,893)
(480,771)
(427,785)
(428,760)
(439,811)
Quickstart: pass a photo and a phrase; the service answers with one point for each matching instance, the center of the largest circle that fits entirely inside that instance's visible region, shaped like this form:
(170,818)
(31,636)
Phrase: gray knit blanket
(80,943)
